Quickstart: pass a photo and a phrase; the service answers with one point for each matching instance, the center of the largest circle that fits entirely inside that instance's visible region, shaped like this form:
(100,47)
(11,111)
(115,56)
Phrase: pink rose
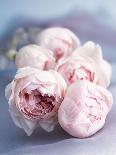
(86,63)
(84,109)
(34,56)
(34,98)
(60,40)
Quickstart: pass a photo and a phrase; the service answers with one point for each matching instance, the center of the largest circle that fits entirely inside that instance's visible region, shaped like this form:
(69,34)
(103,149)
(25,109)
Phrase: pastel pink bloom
(58,39)
(84,109)
(35,56)
(34,98)
(77,68)
(86,63)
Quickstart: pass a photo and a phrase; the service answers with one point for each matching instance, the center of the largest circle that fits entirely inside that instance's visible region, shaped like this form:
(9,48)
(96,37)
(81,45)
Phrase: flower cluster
(60,80)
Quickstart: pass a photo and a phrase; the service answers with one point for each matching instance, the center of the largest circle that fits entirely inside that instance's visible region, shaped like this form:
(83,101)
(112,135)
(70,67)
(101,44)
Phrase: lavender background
(90,20)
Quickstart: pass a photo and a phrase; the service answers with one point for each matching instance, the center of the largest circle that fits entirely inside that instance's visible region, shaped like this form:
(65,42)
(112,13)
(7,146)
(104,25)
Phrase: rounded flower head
(77,68)
(86,63)
(84,109)
(35,56)
(35,96)
(60,40)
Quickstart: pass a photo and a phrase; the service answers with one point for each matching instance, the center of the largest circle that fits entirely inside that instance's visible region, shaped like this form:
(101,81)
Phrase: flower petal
(90,49)
(21,122)
(48,125)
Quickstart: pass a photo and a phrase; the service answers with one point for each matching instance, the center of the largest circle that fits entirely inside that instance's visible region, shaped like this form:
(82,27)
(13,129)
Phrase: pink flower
(34,98)
(60,40)
(76,68)
(84,109)
(86,63)
(34,56)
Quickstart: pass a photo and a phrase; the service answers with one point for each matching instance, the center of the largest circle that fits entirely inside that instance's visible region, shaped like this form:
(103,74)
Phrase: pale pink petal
(78,68)
(85,63)
(90,49)
(21,122)
(34,97)
(106,72)
(84,109)
(60,40)
(49,124)
(34,56)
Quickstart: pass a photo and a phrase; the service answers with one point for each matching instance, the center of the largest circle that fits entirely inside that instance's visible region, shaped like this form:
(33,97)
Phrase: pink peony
(34,98)
(60,40)
(35,56)
(86,63)
(84,109)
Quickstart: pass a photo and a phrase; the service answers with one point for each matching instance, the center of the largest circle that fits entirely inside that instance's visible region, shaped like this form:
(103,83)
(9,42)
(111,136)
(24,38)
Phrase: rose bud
(84,108)
(60,40)
(34,56)
(34,97)
(86,63)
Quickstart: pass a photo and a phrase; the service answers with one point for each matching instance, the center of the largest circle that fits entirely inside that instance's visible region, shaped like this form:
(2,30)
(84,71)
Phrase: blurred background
(21,20)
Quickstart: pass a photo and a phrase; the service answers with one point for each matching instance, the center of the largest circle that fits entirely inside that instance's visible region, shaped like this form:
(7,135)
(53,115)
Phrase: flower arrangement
(58,80)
